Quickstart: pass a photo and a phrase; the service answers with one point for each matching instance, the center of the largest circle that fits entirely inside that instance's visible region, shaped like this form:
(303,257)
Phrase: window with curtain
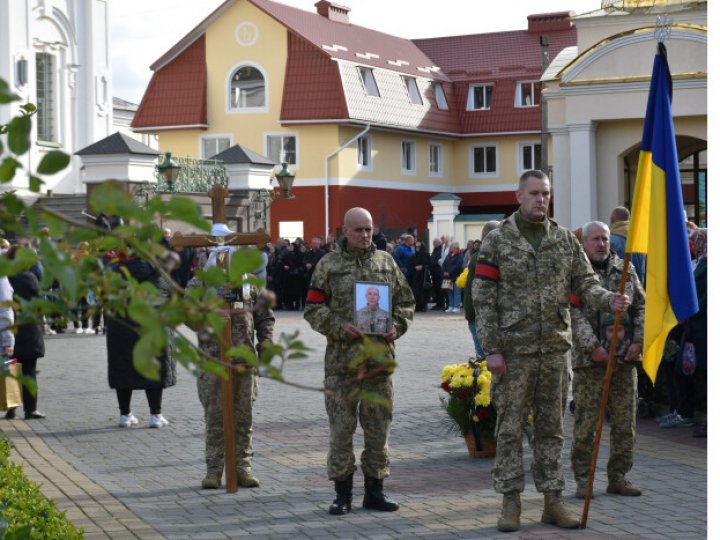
(247,88)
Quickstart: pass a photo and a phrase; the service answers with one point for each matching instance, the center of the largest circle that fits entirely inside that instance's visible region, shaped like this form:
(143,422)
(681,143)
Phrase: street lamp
(265,198)
(169,170)
(285,179)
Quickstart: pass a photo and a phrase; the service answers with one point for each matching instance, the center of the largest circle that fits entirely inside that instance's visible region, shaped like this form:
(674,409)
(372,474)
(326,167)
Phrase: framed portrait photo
(373,307)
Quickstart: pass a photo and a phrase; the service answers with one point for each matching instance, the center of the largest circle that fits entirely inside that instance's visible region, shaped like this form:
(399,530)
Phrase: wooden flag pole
(228,408)
(604,398)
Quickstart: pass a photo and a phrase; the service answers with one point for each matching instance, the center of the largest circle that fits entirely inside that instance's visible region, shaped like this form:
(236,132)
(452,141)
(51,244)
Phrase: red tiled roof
(352,39)
(313,88)
(177,93)
(320,82)
(500,58)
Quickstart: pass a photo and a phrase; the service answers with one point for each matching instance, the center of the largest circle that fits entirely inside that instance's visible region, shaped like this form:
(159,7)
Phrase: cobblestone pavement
(145,483)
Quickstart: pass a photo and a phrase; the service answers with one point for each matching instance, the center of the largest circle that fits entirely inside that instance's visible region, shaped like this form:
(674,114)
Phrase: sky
(143,30)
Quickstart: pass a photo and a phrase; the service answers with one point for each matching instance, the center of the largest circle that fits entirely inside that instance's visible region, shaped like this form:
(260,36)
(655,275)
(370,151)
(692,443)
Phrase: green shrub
(25,513)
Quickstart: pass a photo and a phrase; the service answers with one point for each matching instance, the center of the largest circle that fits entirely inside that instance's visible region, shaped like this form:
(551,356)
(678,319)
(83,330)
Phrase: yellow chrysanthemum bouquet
(468,401)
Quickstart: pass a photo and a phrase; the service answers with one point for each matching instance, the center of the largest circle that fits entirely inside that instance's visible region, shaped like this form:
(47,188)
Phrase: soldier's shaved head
(358,228)
(355,213)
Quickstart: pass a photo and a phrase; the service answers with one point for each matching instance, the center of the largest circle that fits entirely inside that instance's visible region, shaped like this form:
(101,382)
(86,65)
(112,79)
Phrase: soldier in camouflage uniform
(330,310)
(592,332)
(255,319)
(525,272)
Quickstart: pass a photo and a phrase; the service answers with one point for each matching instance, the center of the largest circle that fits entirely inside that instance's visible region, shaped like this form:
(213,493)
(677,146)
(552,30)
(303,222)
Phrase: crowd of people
(539,301)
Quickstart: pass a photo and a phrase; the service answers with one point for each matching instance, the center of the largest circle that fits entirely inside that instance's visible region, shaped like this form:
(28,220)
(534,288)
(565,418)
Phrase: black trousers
(29,367)
(154,398)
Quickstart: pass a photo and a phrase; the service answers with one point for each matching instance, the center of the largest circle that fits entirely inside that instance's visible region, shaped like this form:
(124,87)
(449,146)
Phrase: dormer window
(527,94)
(368,80)
(413,91)
(479,97)
(247,88)
(440,96)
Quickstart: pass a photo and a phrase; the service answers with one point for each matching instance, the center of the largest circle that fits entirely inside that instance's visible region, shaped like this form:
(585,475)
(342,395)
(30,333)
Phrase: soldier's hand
(633,354)
(351,331)
(496,364)
(599,355)
(619,302)
(391,335)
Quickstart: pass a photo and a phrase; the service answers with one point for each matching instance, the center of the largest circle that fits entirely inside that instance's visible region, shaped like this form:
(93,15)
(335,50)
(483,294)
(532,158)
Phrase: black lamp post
(285,179)
(267,197)
(169,170)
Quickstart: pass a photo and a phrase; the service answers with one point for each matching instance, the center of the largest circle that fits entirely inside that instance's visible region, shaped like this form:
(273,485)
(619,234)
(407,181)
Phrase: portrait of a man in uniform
(372,307)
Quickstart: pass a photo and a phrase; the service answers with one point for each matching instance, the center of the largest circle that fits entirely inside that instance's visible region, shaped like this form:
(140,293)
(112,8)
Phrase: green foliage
(53,162)
(25,513)
(157,314)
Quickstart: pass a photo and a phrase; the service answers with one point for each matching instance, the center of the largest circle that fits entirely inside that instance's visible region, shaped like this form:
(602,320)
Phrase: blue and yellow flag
(657,224)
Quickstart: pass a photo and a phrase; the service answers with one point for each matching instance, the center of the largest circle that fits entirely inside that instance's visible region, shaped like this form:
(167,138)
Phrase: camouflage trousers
(533,385)
(343,410)
(244,394)
(622,406)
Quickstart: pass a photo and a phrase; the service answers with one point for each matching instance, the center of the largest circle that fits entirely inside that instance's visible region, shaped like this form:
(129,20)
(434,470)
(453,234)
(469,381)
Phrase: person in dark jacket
(452,268)
(292,272)
(697,328)
(420,265)
(122,335)
(378,238)
(29,341)
(436,275)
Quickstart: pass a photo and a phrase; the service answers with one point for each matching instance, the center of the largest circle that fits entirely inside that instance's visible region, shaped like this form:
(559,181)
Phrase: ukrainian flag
(657,224)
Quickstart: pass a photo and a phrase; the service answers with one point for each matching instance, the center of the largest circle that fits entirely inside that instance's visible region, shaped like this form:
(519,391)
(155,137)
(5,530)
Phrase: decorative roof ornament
(663,26)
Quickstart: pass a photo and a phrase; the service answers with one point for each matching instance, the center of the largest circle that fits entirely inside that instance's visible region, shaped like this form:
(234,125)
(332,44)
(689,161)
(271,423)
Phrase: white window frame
(471,160)
(471,97)
(367,151)
(535,98)
(229,109)
(520,151)
(440,159)
(367,78)
(440,97)
(411,145)
(413,90)
(216,137)
(266,141)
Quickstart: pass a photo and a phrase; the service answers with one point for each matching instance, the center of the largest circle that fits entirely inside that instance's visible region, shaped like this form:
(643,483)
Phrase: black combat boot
(342,503)
(375,499)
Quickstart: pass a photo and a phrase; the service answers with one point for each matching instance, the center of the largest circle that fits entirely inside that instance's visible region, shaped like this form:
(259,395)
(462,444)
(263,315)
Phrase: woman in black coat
(292,271)
(420,264)
(122,335)
(29,341)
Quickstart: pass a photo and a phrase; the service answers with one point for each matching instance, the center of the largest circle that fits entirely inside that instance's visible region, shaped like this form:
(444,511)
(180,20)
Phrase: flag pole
(604,398)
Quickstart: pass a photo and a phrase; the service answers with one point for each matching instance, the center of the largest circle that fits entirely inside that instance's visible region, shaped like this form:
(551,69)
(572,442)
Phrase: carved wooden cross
(259,238)
(217,195)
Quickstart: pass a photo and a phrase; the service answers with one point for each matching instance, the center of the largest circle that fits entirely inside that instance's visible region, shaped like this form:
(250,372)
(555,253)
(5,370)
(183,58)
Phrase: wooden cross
(217,195)
(259,238)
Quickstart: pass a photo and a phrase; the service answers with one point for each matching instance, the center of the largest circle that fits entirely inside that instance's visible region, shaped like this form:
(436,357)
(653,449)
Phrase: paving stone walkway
(145,483)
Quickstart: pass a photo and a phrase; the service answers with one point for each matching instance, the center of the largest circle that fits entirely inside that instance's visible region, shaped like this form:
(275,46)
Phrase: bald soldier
(525,272)
(330,310)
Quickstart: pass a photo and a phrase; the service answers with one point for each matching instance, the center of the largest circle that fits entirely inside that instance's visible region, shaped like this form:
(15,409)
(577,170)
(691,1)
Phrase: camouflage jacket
(376,321)
(330,300)
(522,296)
(592,328)
(255,319)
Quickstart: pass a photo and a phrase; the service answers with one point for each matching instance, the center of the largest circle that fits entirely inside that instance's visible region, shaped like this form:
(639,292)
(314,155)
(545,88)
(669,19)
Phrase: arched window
(247,88)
